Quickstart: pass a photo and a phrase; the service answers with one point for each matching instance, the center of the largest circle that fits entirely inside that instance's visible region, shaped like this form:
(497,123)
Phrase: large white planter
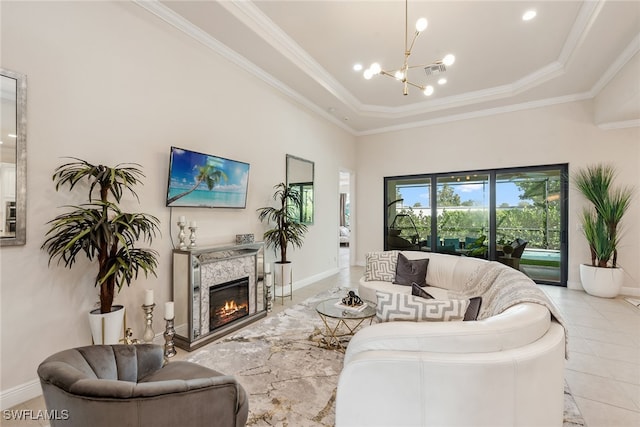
(600,281)
(107,328)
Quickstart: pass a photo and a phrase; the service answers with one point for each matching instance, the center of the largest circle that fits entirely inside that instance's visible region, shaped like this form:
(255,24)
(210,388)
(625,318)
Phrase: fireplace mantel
(196,270)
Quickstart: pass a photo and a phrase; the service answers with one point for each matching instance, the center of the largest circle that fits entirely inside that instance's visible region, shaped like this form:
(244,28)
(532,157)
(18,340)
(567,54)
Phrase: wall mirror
(300,176)
(13,158)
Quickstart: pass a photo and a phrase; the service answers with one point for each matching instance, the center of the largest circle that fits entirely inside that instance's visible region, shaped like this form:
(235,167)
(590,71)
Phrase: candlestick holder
(182,236)
(169,333)
(268,283)
(192,237)
(148,330)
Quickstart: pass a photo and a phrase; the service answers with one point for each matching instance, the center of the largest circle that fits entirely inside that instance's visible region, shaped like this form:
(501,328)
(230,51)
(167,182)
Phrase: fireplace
(228,302)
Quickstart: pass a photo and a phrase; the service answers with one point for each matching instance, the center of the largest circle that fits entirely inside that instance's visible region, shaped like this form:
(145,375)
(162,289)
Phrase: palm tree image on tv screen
(202,180)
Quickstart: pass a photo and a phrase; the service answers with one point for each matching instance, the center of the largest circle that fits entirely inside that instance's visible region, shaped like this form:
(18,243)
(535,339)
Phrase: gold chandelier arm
(387,73)
(415,85)
(415,37)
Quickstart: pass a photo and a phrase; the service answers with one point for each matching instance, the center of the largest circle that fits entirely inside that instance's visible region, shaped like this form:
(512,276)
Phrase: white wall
(110,83)
(559,134)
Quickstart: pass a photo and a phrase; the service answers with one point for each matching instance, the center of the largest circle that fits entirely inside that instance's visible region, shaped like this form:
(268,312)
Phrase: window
(478,213)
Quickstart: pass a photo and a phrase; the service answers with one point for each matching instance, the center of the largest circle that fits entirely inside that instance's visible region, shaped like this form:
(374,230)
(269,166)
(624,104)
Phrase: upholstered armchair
(130,385)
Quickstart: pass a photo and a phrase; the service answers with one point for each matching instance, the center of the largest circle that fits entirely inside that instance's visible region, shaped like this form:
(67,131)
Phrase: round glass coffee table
(340,323)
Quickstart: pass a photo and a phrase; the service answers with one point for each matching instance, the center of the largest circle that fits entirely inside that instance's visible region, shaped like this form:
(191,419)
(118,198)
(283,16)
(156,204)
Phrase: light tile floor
(603,370)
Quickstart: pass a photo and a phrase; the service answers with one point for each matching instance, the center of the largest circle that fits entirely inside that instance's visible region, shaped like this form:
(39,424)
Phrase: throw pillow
(474,308)
(411,271)
(417,291)
(394,306)
(380,266)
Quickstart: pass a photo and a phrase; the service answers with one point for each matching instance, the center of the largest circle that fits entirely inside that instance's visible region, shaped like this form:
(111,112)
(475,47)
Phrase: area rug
(290,379)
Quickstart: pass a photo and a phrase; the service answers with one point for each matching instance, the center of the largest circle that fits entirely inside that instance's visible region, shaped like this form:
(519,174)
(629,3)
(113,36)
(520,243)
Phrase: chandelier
(402,74)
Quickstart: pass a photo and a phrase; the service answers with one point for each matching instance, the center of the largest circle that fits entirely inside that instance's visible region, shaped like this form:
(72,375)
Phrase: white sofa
(505,369)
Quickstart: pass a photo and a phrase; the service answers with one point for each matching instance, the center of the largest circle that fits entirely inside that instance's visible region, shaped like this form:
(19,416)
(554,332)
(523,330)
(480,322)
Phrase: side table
(341,324)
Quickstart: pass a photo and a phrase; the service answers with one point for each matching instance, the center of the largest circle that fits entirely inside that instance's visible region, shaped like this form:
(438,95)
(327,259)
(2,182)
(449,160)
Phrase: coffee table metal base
(333,337)
(339,324)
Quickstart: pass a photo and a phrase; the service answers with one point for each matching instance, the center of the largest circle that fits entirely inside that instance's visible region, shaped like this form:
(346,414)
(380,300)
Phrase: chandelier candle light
(402,74)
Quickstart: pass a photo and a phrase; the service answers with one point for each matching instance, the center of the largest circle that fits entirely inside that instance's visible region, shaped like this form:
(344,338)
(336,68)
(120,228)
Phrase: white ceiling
(307,49)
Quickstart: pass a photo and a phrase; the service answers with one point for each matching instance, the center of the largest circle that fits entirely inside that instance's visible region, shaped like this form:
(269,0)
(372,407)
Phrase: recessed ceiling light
(529,15)
(357,67)
(442,81)
(12,135)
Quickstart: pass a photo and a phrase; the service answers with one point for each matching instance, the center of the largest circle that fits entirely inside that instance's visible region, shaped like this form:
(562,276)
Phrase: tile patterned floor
(603,371)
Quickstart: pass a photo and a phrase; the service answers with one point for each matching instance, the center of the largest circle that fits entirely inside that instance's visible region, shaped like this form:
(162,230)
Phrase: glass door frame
(432,181)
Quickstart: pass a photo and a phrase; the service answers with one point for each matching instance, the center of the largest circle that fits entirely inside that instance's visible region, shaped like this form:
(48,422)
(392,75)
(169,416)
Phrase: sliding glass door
(479,213)
(408,214)
(529,208)
(463,214)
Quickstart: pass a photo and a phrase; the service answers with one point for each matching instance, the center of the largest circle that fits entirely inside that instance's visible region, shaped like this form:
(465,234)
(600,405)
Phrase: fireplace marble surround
(196,270)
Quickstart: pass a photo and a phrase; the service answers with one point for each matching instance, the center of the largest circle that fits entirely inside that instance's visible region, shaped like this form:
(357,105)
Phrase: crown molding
(193,31)
(620,125)
(251,16)
(629,52)
(255,20)
(480,113)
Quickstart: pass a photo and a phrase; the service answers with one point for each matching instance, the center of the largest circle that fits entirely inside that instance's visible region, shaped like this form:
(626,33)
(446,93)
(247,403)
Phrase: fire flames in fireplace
(230,308)
(228,302)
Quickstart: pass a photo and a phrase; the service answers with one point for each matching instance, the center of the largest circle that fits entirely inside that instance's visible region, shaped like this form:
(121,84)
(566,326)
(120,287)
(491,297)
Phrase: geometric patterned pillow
(380,266)
(395,306)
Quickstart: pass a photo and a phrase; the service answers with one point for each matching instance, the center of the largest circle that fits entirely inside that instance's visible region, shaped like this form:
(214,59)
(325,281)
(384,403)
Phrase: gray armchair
(129,385)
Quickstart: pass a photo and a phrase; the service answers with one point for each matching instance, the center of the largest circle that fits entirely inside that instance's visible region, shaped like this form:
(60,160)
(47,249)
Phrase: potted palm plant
(600,224)
(102,232)
(286,229)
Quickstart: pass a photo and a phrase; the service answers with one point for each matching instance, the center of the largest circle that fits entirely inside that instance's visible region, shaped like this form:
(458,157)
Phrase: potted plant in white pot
(600,224)
(101,231)
(286,229)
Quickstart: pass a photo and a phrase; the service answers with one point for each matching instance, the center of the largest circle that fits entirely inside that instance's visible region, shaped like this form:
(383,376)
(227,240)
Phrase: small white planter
(600,281)
(107,328)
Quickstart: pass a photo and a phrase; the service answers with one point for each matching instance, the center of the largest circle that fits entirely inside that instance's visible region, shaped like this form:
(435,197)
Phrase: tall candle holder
(268,282)
(169,333)
(192,236)
(182,235)
(148,330)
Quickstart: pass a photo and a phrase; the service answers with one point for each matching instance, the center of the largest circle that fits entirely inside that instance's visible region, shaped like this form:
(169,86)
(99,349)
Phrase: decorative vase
(602,282)
(107,328)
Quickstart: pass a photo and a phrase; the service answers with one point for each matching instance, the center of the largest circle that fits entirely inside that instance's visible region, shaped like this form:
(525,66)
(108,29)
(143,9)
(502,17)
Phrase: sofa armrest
(517,326)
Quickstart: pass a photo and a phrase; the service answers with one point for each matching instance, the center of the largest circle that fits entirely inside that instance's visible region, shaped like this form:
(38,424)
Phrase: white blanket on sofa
(502,287)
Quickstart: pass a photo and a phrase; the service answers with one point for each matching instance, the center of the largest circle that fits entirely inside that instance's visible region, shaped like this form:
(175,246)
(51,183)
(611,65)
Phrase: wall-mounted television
(206,181)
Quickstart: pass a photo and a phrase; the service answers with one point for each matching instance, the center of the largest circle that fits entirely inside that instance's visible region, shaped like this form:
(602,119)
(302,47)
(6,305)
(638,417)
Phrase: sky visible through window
(507,193)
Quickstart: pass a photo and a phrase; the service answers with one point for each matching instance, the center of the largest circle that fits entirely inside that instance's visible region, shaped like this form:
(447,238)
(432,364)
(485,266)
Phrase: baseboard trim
(19,394)
(630,292)
(312,279)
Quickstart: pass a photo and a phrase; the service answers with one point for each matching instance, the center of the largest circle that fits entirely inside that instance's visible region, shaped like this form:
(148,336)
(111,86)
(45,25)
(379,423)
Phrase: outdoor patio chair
(519,246)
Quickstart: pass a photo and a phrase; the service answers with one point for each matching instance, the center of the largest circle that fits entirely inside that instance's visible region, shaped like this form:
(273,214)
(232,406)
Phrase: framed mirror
(13,158)
(300,176)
